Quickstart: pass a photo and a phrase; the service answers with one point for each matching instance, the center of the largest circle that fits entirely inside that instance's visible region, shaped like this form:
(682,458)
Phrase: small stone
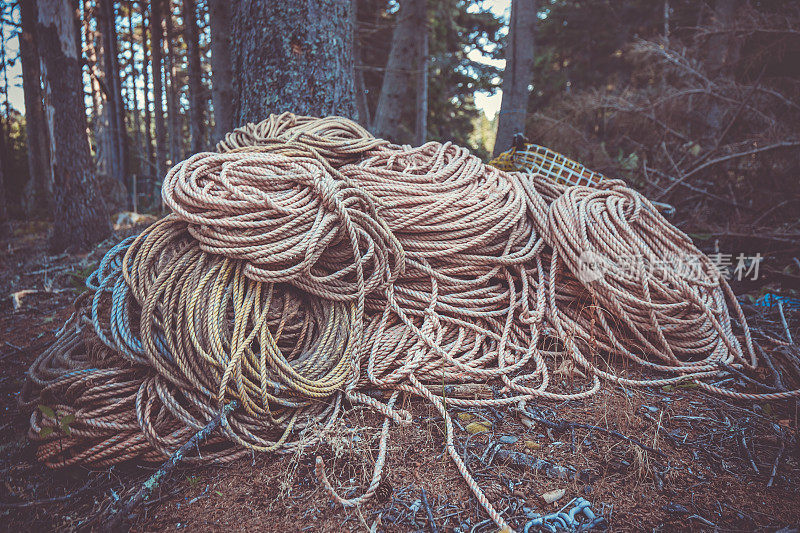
(465,417)
(476,427)
(509,439)
(553,495)
(529,444)
(652,409)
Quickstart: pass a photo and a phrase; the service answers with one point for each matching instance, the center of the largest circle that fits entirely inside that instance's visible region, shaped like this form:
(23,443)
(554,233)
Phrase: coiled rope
(307,264)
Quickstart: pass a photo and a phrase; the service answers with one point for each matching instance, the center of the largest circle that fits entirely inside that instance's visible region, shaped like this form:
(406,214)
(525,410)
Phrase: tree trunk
(39,190)
(421,131)
(400,81)
(104,150)
(148,117)
(518,73)
(137,118)
(722,51)
(156,32)
(173,121)
(361,90)
(306,67)
(221,68)
(196,97)
(3,208)
(3,163)
(81,218)
(107,23)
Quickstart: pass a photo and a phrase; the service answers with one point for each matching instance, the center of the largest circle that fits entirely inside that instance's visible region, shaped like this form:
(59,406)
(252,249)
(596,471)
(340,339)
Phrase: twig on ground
(747,378)
(776,463)
(428,512)
(783,322)
(45,501)
(747,451)
(148,486)
(562,425)
(776,376)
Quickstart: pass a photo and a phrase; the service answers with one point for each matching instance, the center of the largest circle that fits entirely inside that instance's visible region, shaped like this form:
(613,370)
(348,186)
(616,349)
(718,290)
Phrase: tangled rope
(306,265)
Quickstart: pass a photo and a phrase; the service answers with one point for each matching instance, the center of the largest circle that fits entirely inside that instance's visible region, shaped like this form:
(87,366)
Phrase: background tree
(306,68)
(518,73)
(221,68)
(156,33)
(113,89)
(403,78)
(80,211)
(39,191)
(196,100)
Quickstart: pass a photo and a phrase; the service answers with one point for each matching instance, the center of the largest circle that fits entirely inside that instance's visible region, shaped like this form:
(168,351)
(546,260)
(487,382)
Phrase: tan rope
(307,263)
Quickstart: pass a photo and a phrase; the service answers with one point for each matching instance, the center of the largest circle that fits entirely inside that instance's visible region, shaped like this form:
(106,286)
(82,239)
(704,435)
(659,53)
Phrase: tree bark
(81,218)
(137,118)
(400,81)
(170,74)
(148,117)
(156,32)
(421,129)
(221,68)
(39,190)
(196,92)
(113,88)
(306,67)
(518,73)
(360,87)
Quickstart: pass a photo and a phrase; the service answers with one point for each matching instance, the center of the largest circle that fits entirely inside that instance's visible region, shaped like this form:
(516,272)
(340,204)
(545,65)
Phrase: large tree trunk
(221,68)
(518,73)
(114,111)
(304,65)
(156,32)
(196,96)
(400,81)
(39,190)
(80,213)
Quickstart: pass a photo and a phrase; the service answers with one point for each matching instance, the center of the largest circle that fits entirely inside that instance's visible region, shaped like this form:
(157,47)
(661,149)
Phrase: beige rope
(307,263)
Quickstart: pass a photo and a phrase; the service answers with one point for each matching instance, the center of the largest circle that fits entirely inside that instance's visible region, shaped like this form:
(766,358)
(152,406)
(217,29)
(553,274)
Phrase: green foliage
(62,421)
(78,278)
(457,27)
(15,168)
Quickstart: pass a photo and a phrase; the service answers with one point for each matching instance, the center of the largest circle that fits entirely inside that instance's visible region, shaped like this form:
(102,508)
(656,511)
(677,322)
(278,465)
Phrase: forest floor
(717,465)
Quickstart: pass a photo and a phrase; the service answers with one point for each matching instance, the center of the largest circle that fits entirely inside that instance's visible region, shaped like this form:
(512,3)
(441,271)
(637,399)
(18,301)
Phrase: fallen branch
(44,501)
(776,463)
(563,425)
(426,505)
(152,483)
(551,470)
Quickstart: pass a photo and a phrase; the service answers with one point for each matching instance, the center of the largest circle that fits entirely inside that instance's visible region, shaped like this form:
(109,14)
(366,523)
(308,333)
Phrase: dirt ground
(654,460)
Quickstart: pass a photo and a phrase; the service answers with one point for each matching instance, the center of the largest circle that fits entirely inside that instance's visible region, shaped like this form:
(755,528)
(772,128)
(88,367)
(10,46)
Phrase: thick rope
(307,264)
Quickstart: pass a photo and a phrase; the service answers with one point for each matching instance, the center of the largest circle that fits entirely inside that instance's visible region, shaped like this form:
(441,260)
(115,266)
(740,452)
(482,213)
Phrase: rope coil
(308,263)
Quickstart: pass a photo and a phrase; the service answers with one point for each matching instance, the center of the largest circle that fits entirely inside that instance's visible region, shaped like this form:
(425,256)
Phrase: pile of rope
(308,266)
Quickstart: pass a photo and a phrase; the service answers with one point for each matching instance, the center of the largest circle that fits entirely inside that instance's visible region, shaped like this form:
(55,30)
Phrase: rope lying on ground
(307,264)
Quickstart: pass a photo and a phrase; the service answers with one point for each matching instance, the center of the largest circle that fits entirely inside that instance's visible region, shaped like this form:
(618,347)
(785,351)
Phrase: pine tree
(80,214)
